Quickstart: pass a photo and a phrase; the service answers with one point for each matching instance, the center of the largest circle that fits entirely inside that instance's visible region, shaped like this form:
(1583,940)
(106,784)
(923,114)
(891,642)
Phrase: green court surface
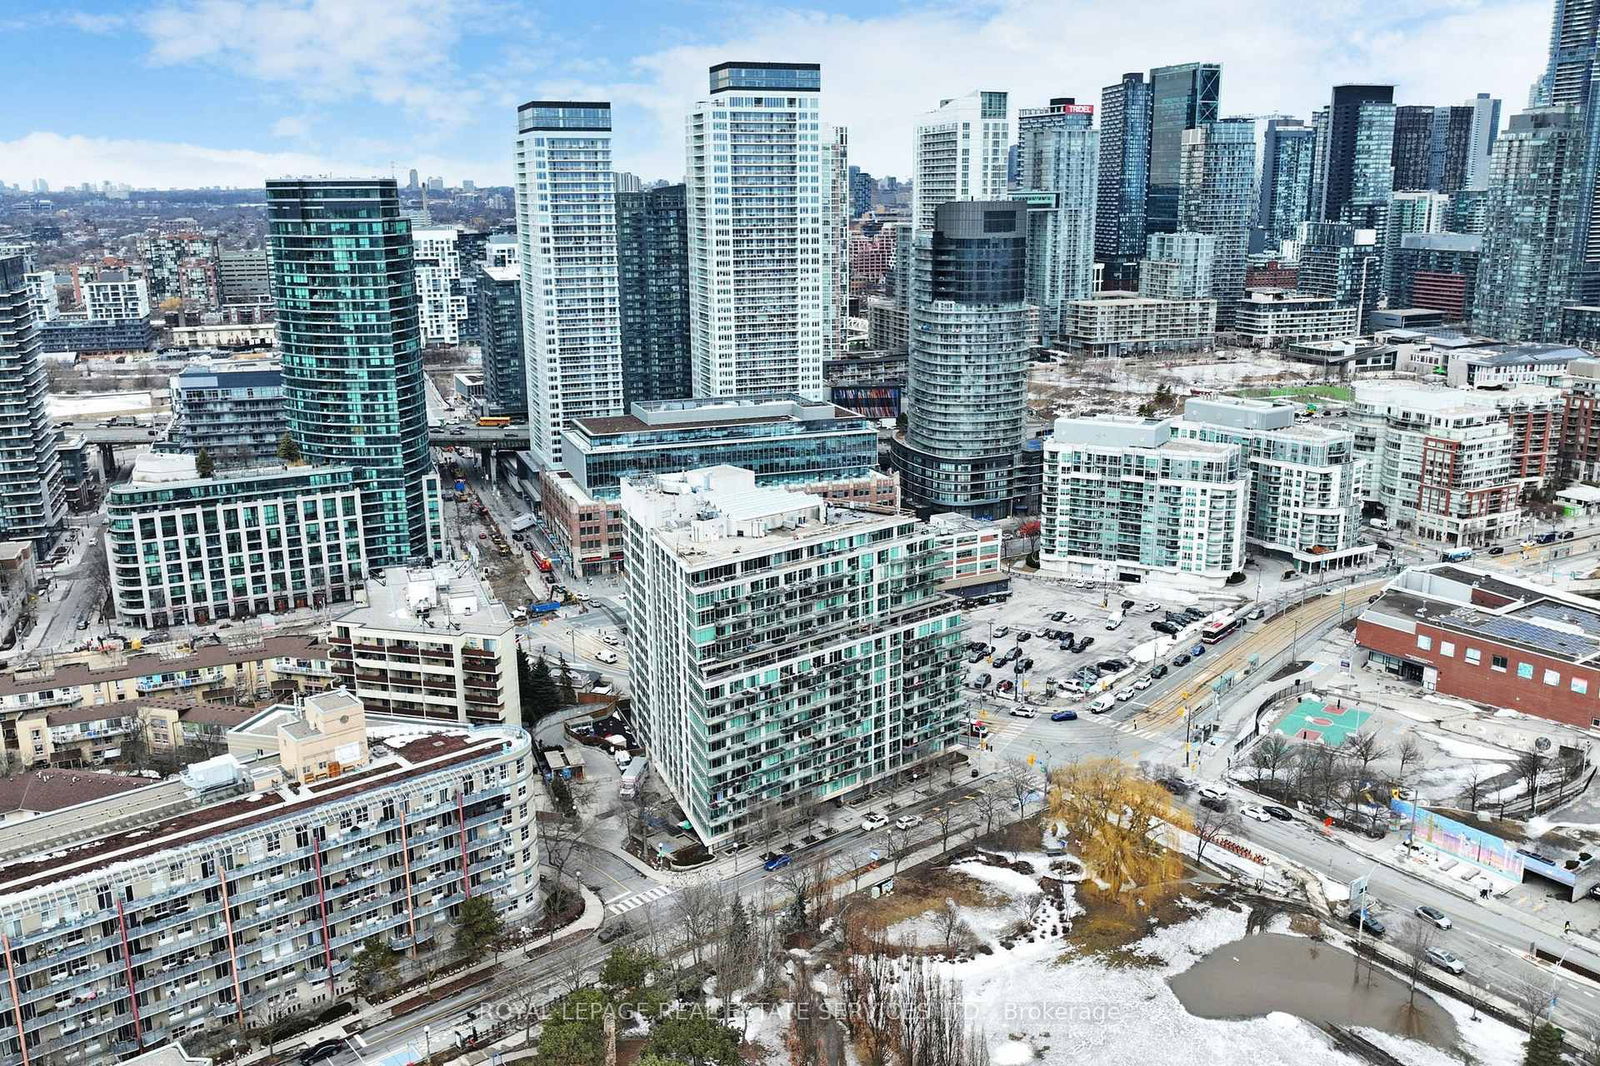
(1329,723)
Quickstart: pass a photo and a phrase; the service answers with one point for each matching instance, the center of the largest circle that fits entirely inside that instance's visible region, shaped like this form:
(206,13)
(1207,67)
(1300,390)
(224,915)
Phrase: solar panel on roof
(1588,621)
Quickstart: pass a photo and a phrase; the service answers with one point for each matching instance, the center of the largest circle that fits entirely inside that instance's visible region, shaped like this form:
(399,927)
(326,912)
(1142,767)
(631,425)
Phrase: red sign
(1078,109)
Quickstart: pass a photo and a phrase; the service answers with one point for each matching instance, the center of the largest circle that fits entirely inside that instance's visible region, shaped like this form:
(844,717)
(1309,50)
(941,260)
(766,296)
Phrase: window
(1551,677)
(1580,686)
(1424,642)
(1525,671)
(1473,656)
(1499,662)
(1447,648)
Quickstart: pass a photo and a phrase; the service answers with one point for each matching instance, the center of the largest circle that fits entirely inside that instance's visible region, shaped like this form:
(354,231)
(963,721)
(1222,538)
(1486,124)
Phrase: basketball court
(1328,723)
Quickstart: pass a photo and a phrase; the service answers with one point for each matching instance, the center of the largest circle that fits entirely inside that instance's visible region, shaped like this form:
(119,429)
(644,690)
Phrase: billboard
(1458,840)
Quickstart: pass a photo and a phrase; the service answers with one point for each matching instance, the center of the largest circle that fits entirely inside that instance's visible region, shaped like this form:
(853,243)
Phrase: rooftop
(449,598)
(41,791)
(90,669)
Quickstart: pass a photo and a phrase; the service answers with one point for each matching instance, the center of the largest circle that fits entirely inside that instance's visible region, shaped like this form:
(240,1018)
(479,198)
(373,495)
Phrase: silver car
(1446,961)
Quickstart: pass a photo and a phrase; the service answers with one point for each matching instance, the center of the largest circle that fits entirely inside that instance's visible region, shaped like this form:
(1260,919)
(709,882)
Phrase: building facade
(653,294)
(500,336)
(1178,266)
(1217,197)
(967,375)
(32,494)
(351,352)
(567,228)
(183,549)
(1268,318)
(1305,481)
(233,411)
(1182,98)
(112,295)
(1437,271)
(1531,235)
(444,262)
(1288,155)
(246,892)
(1125,323)
(1125,499)
(761,240)
(1356,159)
(1124,177)
(959,153)
(784,653)
(430,645)
(1342,262)
(1058,153)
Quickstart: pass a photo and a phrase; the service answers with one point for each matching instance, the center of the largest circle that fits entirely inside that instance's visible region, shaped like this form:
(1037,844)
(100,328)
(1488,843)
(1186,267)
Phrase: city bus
(494,421)
(1218,628)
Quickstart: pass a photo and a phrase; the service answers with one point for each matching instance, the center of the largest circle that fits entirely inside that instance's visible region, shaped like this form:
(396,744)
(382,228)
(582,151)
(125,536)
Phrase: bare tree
(952,926)
(1531,999)
(1272,754)
(900,844)
(559,841)
(1023,784)
(1209,826)
(1474,785)
(944,817)
(1361,749)
(1530,764)
(1408,753)
(988,803)
(1416,937)
(700,910)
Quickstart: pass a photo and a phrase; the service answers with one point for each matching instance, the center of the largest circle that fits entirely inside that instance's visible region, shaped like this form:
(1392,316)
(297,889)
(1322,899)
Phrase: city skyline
(426,86)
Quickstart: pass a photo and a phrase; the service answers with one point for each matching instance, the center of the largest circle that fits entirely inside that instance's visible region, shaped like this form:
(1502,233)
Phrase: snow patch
(1465,749)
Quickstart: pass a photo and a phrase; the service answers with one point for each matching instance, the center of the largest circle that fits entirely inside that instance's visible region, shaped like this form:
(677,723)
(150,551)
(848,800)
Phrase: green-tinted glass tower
(345,286)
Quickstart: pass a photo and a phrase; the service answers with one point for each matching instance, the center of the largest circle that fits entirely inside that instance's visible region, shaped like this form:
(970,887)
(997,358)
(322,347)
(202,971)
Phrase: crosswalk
(625,904)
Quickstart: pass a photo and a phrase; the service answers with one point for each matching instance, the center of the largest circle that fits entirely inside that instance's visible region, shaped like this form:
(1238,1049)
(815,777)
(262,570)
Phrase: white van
(1115,621)
(1102,703)
(1378,523)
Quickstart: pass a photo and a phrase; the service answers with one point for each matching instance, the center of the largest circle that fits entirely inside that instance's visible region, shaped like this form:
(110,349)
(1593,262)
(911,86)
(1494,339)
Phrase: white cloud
(66,160)
(880,73)
(291,126)
(395,52)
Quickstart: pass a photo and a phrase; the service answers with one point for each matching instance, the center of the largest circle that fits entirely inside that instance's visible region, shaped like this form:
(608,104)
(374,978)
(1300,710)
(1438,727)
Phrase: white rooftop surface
(446,599)
(1425,398)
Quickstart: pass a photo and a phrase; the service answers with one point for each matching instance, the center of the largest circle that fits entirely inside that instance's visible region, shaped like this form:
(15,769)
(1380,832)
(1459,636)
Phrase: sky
(188,93)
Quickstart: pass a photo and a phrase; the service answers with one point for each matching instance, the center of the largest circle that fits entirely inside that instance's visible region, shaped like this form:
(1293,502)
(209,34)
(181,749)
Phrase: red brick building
(1485,637)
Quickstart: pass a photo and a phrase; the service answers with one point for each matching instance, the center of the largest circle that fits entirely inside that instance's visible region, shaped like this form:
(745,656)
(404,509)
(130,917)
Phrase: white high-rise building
(567,231)
(113,294)
(441,302)
(838,142)
(759,172)
(783,652)
(960,153)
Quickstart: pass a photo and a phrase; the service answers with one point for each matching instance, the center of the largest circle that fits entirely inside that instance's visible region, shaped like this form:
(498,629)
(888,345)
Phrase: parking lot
(1040,683)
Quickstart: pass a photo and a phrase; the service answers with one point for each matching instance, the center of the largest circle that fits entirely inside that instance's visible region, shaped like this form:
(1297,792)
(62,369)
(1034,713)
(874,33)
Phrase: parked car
(1000,631)
(1026,663)
(322,1051)
(1213,803)
(1434,916)
(1497,550)
(1214,791)
(1182,660)
(605,656)
(1446,961)
(982,681)
(1365,919)
(1291,575)
(1158,671)
(1282,814)
(1143,683)
(1165,627)
(1023,635)
(873,821)
(1256,813)
(1066,714)
(1568,535)
(777,862)
(1005,686)
(1388,546)
(975,657)
(1085,644)
(1151,608)
(907,821)
(1175,785)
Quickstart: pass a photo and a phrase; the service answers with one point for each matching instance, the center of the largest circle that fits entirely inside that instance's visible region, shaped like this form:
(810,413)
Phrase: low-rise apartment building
(231,410)
(430,644)
(783,652)
(240,891)
(1500,366)
(786,440)
(1124,323)
(1127,498)
(186,549)
(1266,318)
(971,553)
(1305,480)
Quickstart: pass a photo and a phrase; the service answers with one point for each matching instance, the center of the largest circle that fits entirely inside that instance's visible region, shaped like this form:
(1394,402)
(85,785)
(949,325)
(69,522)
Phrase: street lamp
(427,1043)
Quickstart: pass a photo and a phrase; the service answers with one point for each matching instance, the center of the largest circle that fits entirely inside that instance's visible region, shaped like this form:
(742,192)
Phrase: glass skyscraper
(1288,155)
(1124,176)
(1217,196)
(353,393)
(1535,188)
(1355,159)
(967,375)
(1413,146)
(505,380)
(1181,98)
(32,496)
(1059,154)
(653,290)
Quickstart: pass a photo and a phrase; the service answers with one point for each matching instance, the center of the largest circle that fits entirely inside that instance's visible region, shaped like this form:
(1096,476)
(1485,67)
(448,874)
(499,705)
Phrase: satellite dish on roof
(1542,744)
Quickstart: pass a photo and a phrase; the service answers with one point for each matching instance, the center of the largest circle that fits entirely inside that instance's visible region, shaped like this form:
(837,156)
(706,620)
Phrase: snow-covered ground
(101,403)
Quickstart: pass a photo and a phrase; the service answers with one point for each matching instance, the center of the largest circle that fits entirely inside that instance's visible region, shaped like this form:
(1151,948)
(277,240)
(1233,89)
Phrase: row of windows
(1502,664)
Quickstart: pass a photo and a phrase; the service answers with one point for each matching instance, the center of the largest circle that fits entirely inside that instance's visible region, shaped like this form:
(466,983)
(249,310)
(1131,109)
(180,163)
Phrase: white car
(1255,812)
(608,637)
(908,821)
(1446,961)
(873,821)
(1151,608)
(609,657)
(1213,792)
(1024,712)
(1124,695)
(1143,683)
(1434,916)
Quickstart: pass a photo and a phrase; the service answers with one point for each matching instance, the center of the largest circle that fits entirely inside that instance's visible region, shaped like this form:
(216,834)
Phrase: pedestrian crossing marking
(639,899)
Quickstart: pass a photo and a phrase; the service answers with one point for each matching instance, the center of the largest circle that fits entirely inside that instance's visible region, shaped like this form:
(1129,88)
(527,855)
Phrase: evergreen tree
(694,1039)
(374,966)
(626,978)
(478,929)
(573,1033)
(204,465)
(569,694)
(540,695)
(288,449)
(1545,1047)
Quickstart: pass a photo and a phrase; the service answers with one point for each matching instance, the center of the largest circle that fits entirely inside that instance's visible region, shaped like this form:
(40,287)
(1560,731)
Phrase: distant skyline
(190,93)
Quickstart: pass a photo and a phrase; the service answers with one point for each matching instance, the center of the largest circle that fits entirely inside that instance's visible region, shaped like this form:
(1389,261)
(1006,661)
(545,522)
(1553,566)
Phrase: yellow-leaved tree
(1114,820)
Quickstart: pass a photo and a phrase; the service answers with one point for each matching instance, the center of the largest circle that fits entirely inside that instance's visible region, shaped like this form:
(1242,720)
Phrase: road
(1493,944)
